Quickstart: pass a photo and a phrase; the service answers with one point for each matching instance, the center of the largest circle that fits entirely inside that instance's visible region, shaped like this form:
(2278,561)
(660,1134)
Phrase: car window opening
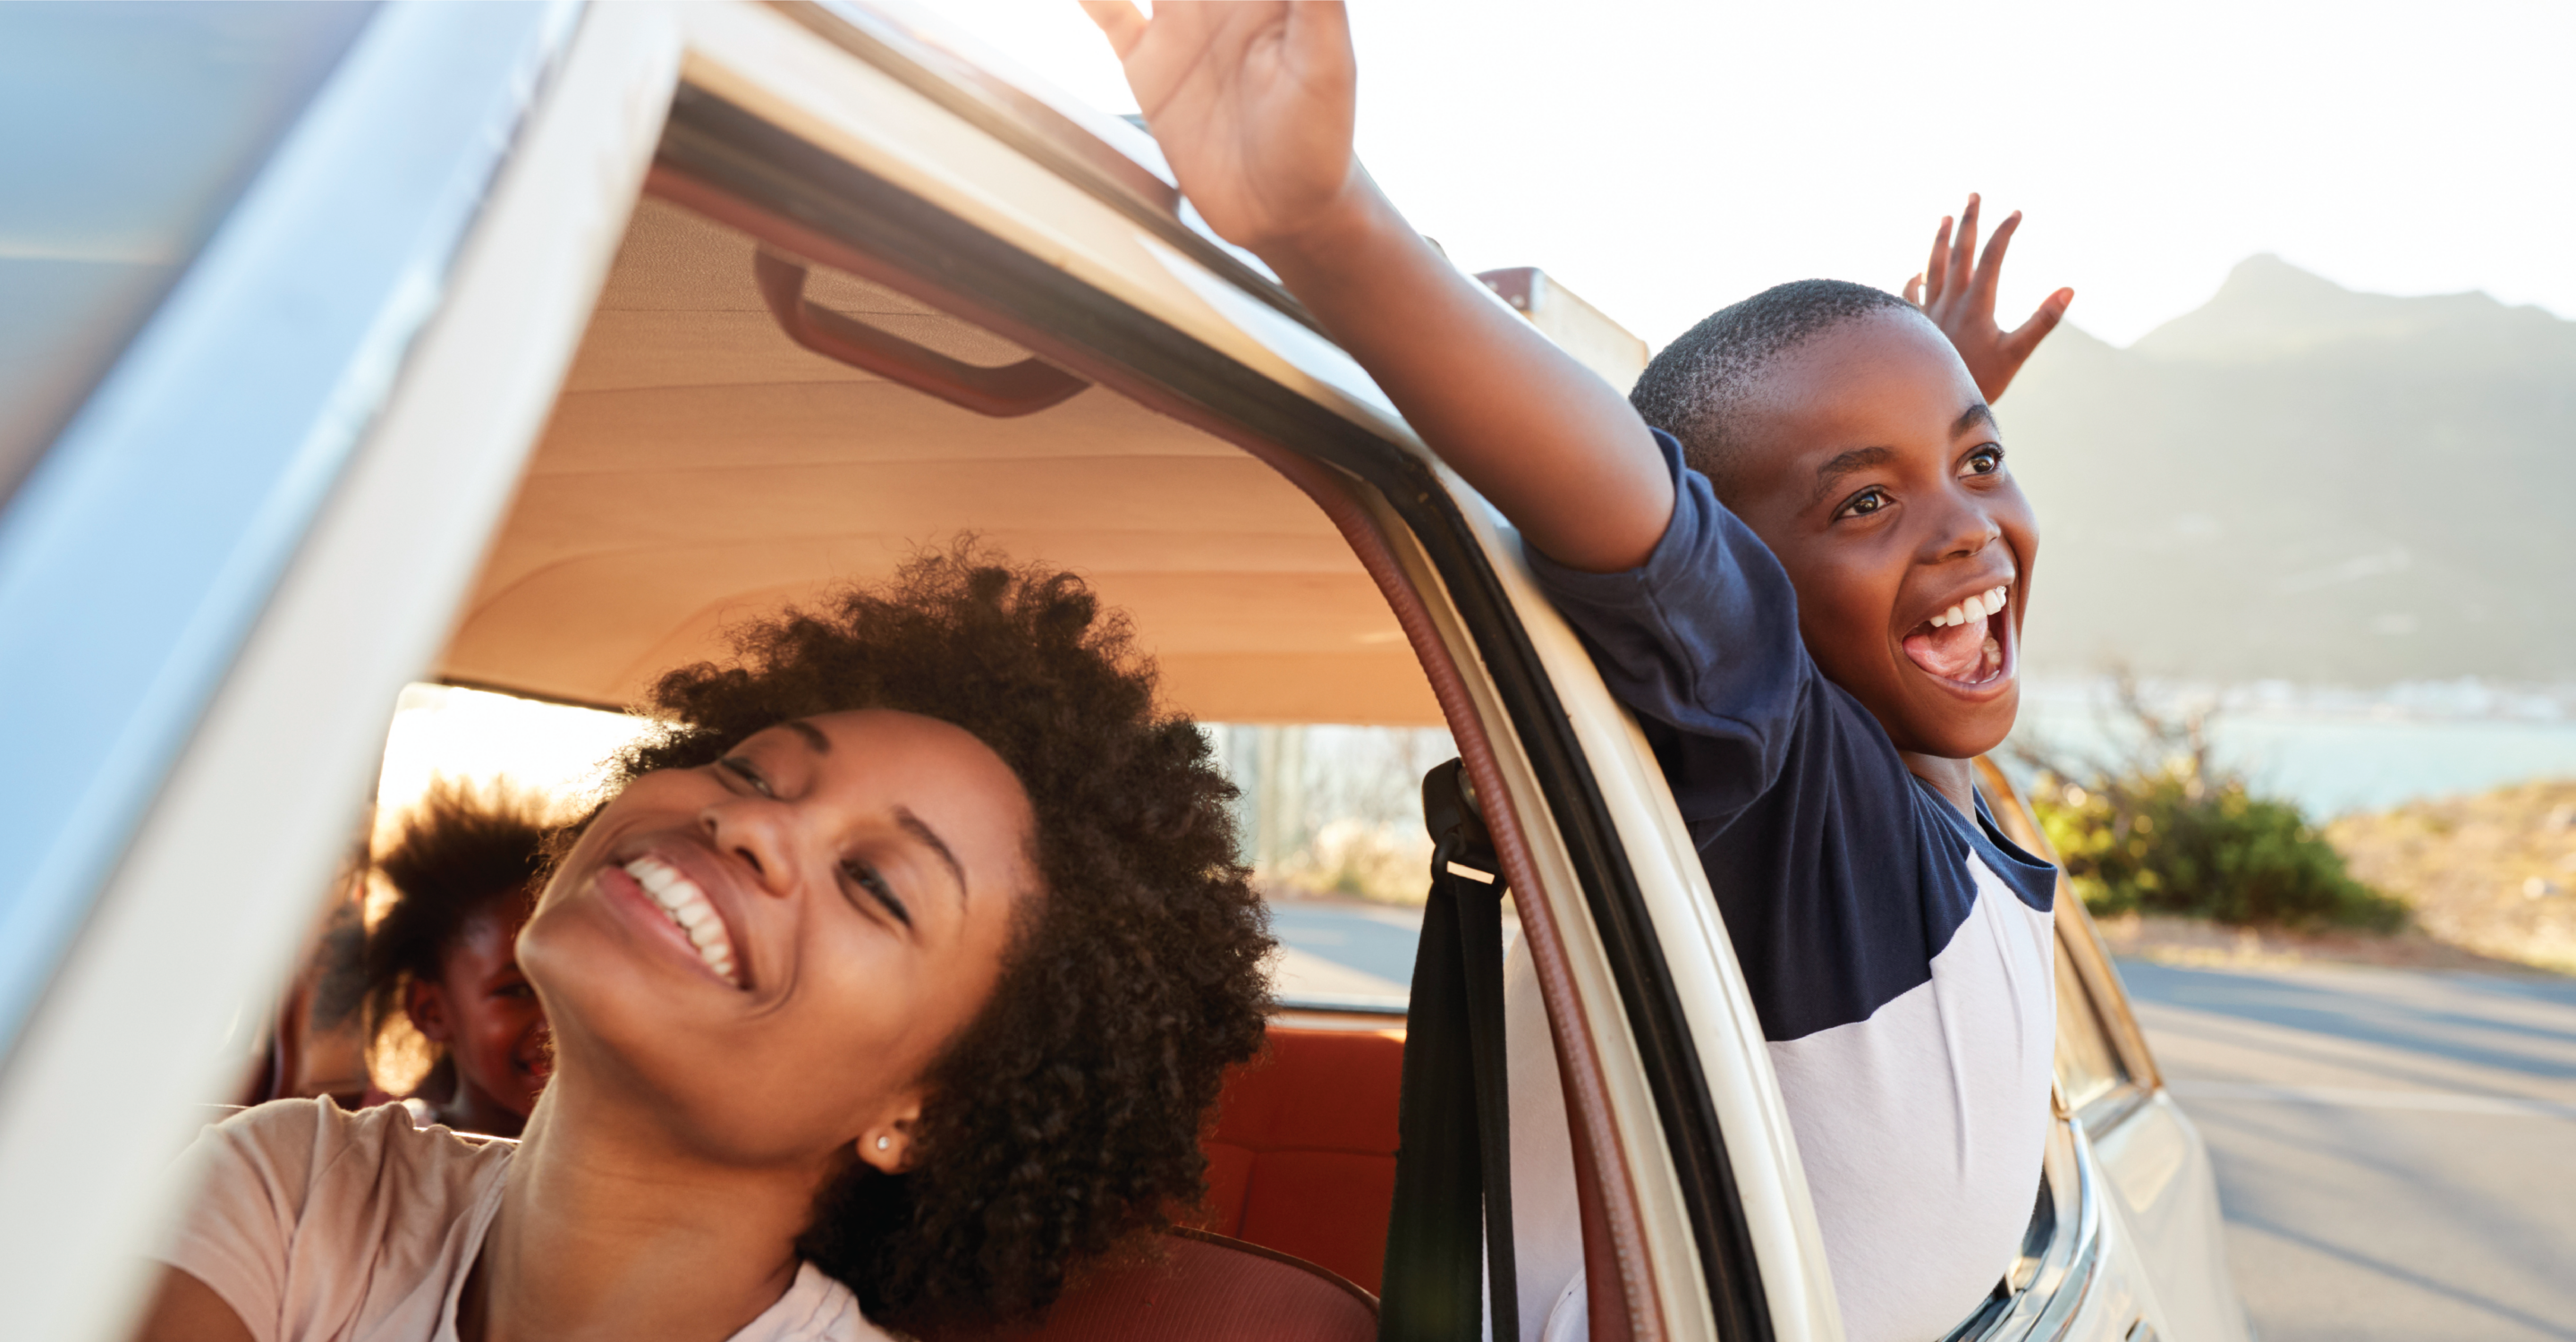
(742,427)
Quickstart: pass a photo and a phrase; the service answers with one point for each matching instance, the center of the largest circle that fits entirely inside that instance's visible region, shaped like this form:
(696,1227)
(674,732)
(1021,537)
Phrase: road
(2396,1151)
(1335,951)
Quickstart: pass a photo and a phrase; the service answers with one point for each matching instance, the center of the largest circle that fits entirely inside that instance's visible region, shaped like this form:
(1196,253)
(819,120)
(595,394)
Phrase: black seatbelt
(1453,1182)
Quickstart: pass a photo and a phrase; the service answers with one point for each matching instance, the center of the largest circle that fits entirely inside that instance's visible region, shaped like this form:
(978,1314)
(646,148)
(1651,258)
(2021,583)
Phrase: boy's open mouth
(1964,644)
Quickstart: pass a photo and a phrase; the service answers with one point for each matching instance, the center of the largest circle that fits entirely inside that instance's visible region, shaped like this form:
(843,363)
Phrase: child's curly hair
(1066,1118)
(461,851)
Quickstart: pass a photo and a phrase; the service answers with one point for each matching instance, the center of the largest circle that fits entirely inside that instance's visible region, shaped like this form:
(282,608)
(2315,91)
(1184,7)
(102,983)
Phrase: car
(526,347)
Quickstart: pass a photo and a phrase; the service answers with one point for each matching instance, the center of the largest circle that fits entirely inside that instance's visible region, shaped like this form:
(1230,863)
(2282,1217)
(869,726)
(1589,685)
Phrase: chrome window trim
(2114,1107)
(2045,1309)
(140,551)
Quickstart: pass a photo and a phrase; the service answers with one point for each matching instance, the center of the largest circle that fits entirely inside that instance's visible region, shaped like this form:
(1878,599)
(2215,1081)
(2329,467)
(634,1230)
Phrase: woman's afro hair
(1064,1122)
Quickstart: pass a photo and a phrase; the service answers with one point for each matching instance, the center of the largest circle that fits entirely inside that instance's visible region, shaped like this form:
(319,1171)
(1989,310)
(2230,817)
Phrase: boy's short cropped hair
(1696,388)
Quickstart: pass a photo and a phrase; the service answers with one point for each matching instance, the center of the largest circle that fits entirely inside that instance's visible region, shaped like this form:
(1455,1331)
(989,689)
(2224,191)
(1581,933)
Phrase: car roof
(702,469)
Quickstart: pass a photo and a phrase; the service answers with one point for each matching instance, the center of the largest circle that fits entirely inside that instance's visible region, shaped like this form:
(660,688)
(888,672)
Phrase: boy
(1817,662)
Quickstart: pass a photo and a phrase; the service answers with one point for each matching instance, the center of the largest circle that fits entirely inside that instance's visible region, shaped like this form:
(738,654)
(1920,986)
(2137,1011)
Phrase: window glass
(125,132)
(2087,1066)
(1331,818)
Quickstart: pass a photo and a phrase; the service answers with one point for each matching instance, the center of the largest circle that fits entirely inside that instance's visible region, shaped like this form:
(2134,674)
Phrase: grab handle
(1022,388)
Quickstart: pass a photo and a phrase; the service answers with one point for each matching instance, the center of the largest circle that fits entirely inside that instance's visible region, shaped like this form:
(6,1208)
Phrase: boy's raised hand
(1957,291)
(1252,102)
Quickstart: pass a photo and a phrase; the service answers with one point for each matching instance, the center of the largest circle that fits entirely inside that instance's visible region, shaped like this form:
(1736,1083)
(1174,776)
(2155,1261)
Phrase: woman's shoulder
(816,1308)
(309,1143)
(313,1216)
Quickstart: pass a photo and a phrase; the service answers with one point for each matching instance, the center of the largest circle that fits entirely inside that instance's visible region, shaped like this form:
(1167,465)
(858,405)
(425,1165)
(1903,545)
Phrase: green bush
(2163,833)
(2155,843)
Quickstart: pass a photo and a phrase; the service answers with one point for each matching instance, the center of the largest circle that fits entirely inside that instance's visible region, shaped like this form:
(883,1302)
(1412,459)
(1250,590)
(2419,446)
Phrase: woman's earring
(884,1141)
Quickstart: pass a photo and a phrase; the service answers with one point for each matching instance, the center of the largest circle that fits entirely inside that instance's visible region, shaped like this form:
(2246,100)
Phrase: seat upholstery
(1301,1177)
(1200,1287)
(1302,1160)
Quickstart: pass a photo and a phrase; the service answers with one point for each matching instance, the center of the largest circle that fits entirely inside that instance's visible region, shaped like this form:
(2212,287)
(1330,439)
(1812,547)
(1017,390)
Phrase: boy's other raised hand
(1957,291)
(1252,103)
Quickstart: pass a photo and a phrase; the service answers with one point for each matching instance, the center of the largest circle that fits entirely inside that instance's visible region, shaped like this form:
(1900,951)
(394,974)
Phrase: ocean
(2332,750)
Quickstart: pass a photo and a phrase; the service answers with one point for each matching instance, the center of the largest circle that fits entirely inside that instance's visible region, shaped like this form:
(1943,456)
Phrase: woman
(443,959)
(894,983)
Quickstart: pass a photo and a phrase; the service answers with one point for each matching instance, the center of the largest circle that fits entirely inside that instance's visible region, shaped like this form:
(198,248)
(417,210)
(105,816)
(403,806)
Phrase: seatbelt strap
(1449,1237)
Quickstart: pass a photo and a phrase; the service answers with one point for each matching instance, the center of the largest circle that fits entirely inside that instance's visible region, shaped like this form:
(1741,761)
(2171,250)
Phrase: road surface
(2396,1151)
(1344,952)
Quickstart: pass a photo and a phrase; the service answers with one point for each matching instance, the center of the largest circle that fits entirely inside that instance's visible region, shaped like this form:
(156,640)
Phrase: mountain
(2303,482)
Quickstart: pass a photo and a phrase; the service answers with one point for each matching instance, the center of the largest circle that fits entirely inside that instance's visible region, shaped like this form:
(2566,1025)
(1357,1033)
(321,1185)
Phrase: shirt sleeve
(254,1172)
(1702,638)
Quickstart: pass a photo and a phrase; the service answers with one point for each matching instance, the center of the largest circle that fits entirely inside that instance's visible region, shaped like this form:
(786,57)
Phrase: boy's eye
(1864,503)
(867,878)
(748,772)
(1986,460)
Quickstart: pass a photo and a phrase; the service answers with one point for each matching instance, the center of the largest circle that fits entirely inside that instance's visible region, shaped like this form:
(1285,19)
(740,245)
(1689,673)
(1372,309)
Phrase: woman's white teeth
(1977,607)
(688,906)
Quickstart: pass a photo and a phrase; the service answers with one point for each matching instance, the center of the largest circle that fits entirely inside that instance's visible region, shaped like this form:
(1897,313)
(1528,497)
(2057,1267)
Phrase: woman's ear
(426,1004)
(888,1145)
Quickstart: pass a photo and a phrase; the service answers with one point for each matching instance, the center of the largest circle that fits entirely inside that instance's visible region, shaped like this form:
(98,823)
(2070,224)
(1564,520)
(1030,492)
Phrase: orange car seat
(1303,1157)
(1199,1287)
(1301,1178)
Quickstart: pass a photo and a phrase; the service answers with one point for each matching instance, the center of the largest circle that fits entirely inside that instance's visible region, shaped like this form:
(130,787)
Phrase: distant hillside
(2303,482)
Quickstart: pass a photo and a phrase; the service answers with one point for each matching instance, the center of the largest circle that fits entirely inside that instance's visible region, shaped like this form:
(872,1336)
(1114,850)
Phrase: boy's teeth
(1977,607)
(687,905)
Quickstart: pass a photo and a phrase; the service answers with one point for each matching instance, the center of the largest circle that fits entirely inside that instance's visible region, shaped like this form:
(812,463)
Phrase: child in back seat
(1817,659)
(443,957)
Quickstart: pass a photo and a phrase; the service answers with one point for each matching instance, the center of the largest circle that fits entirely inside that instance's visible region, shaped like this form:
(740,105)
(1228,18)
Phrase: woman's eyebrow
(1974,415)
(813,735)
(914,826)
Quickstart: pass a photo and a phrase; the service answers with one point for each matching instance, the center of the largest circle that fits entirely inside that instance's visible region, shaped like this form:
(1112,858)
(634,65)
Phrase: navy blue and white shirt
(1899,956)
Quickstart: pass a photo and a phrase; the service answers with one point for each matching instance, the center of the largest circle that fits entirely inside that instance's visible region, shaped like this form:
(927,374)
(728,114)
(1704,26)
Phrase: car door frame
(530,128)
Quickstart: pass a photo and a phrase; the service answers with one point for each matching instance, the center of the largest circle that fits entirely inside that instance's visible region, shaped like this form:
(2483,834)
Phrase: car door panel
(2168,1196)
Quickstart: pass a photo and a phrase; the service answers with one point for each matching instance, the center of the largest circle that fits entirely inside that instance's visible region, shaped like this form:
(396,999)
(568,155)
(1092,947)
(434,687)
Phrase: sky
(1664,159)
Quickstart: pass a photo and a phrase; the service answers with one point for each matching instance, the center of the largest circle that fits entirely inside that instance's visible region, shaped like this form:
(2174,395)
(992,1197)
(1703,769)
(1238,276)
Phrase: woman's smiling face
(771,950)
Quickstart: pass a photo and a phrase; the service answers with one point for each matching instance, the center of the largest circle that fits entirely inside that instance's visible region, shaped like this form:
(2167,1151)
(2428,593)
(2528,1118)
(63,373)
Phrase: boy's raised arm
(1252,104)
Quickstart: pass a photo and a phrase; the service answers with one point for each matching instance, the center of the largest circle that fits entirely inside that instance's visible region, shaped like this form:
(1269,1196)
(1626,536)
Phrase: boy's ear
(426,1004)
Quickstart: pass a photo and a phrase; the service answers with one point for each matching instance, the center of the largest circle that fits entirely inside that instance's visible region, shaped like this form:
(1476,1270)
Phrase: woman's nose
(752,829)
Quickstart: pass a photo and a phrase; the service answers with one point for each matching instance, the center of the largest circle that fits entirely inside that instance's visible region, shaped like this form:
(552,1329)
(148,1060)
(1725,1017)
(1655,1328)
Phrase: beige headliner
(701,469)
